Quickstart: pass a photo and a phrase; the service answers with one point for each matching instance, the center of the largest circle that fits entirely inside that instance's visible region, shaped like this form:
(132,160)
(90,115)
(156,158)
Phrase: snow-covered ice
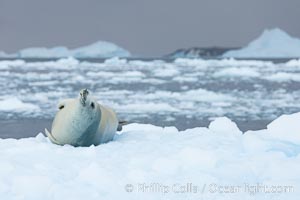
(285,128)
(273,43)
(100,49)
(150,162)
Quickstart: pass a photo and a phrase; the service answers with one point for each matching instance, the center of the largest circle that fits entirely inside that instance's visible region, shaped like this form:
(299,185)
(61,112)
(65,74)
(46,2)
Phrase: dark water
(23,128)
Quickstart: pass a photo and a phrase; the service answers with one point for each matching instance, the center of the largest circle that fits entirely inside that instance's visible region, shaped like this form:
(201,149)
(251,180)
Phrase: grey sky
(144,27)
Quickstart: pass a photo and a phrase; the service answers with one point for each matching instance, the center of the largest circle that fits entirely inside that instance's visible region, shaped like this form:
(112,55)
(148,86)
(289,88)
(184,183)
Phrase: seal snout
(83,96)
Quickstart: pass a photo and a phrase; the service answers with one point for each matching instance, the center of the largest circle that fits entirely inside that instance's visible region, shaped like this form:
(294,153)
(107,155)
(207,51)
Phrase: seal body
(83,122)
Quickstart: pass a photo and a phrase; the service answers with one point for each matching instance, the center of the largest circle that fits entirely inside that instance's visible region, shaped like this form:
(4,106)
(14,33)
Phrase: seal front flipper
(50,136)
(121,124)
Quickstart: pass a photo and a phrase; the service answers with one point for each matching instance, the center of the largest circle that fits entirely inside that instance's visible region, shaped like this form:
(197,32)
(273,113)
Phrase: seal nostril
(61,107)
(92,105)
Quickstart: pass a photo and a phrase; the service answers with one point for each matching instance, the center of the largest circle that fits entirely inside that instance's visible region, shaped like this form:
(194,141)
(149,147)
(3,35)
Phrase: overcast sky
(144,27)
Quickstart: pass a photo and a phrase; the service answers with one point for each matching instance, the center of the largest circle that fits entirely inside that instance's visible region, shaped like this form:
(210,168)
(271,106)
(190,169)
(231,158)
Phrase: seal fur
(83,122)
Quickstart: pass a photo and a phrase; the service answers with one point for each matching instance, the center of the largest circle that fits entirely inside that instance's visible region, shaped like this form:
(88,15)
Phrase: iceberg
(42,52)
(273,43)
(5,55)
(100,49)
(2,54)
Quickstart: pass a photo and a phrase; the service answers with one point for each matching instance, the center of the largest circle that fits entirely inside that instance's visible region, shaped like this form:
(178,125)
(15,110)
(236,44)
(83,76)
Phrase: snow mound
(225,126)
(150,162)
(286,127)
(273,43)
(100,49)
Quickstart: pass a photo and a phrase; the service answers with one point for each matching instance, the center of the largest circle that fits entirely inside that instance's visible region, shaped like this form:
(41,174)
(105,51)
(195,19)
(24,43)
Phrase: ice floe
(150,162)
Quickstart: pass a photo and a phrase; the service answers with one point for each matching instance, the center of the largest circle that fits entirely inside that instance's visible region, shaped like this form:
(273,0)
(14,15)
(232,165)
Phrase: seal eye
(61,107)
(93,105)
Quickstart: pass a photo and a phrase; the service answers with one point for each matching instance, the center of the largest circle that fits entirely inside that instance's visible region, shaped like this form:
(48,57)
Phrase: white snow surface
(100,49)
(272,43)
(286,127)
(150,162)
